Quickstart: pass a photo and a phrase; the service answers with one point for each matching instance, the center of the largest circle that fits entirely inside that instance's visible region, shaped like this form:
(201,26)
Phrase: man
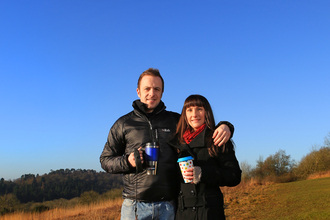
(148,196)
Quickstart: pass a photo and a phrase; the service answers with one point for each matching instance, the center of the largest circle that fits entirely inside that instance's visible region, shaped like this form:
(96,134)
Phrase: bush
(8,202)
(316,161)
(246,170)
(278,164)
(112,194)
(3,211)
(40,208)
(89,197)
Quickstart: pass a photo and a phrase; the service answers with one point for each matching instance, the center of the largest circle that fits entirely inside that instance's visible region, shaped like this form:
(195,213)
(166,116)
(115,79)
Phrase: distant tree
(8,202)
(2,186)
(258,170)
(317,160)
(274,165)
(327,140)
(63,183)
(246,170)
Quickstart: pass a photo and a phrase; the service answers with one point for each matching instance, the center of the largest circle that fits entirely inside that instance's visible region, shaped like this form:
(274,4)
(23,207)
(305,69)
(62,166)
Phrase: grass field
(308,199)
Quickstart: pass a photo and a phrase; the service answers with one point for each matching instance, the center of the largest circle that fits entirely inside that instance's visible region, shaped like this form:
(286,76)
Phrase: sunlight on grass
(307,199)
(109,210)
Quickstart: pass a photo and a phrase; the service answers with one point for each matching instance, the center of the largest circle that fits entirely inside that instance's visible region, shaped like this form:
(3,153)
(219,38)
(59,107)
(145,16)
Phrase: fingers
(189,174)
(131,160)
(141,154)
(220,138)
(215,133)
(221,135)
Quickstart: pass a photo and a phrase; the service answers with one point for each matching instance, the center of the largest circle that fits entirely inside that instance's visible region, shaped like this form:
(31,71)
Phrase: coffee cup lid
(185,159)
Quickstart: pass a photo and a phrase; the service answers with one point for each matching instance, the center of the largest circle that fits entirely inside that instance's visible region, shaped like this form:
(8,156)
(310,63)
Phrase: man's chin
(151,108)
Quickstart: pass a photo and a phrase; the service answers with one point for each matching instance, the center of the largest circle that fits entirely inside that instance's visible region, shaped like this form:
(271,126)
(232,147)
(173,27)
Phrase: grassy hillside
(308,199)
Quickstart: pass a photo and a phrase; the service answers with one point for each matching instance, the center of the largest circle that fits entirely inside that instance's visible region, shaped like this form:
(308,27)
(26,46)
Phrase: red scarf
(189,136)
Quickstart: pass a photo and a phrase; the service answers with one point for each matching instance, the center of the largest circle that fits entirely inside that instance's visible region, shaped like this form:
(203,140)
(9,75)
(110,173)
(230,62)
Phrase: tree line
(63,183)
(90,185)
(279,167)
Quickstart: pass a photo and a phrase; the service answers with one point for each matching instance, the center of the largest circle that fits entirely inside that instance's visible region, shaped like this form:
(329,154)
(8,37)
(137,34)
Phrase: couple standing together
(193,133)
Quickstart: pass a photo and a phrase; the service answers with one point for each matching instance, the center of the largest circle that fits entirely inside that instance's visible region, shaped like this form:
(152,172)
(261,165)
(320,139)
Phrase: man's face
(150,91)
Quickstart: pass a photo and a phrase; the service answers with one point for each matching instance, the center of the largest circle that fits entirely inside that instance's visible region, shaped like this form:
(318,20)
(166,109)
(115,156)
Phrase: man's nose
(151,92)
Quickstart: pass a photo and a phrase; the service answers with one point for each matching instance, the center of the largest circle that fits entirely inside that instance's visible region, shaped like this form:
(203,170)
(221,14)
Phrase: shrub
(40,208)
(314,162)
(275,165)
(89,197)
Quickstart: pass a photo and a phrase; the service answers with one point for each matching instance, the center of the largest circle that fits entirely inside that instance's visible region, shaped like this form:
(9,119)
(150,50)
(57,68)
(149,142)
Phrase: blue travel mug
(151,156)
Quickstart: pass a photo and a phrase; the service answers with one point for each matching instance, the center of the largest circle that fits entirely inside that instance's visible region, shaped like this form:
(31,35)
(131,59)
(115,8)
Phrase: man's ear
(138,92)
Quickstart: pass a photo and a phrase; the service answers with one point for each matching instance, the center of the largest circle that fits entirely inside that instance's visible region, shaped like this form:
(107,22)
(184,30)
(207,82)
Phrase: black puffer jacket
(132,131)
(205,200)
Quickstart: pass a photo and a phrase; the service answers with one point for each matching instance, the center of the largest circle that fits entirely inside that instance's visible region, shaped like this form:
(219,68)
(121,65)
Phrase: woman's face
(195,116)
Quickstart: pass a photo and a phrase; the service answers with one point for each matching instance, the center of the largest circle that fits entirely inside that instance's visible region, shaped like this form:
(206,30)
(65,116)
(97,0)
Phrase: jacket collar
(141,108)
(198,141)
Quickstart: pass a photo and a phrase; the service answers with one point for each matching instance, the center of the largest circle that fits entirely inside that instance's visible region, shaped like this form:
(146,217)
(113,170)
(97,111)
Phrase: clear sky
(69,70)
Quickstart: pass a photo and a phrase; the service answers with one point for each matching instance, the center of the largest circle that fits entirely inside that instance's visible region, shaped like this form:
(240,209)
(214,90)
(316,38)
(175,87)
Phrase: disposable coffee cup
(185,163)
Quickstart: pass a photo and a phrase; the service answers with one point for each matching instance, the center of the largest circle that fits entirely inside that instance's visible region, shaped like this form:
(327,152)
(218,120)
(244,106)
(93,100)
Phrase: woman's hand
(194,174)
(189,174)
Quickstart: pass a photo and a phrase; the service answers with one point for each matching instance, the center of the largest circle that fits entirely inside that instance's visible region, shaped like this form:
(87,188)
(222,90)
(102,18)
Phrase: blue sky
(69,69)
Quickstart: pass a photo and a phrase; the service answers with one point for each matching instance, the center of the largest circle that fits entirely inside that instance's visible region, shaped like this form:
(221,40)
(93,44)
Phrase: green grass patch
(308,199)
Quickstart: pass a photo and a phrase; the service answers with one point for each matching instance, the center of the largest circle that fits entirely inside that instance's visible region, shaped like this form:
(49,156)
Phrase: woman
(213,166)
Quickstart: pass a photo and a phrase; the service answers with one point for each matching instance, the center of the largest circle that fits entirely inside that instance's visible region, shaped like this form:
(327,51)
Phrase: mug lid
(185,159)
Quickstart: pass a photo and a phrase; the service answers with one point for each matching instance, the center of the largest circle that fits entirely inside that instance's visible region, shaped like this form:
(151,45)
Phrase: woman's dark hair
(183,125)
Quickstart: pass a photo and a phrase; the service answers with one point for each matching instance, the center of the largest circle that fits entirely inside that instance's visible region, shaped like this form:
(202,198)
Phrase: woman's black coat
(205,200)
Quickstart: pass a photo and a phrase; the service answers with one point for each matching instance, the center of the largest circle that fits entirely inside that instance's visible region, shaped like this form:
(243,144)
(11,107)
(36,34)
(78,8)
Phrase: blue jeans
(164,210)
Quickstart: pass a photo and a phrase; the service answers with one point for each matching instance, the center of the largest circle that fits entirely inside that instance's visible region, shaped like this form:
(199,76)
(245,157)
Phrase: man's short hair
(151,72)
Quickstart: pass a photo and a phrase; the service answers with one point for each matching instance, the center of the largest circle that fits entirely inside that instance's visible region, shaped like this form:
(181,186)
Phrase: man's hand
(131,159)
(221,135)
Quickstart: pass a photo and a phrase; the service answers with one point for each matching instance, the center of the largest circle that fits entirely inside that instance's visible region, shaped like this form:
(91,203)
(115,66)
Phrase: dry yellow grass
(319,175)
(245,200)
(240,201)
(106,210)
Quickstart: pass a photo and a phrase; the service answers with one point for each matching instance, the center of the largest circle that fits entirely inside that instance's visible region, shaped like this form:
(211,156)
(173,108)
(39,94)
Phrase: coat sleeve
(226,173)
(113,158)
